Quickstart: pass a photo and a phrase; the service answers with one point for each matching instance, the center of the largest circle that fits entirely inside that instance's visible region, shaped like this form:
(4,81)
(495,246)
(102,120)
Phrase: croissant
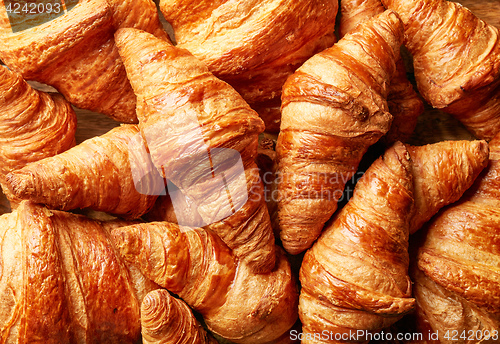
(334,108)
(167,320)
(76,54)
(457,281)
(62,281)
(33,125)
(236,303)
(404,103)
(102,173)
(355,277)
(203,138)
(253,45)
(456,59)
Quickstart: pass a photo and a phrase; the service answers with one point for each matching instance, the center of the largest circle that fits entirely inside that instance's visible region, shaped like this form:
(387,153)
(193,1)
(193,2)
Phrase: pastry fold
(168,320)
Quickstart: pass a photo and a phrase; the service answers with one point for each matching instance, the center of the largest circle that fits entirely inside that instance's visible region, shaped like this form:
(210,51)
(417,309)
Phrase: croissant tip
(122,33)
(155,309)
(295,243)
(21,184)
(483,146)
(481,151)
(152,296)
(392,13)
(295,248)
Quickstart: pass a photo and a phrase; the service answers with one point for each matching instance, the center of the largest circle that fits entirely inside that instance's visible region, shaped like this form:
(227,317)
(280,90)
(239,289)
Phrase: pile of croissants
(186,223)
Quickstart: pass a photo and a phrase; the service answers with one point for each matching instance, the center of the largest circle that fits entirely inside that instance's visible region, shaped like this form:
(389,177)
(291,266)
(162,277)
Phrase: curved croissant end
(167,320)
(33,125)
(404,103)
(435,184)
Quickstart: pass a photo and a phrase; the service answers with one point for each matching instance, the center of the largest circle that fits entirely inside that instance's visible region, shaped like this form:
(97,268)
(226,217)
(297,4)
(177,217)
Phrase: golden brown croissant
(167,320)
(203,138)
(76,54)
(404,103)
(102,173)
(33,125)
(456,60)
(253,45)
(334,108)
(195,264)
(355,277)
(457,282)
(62,281)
